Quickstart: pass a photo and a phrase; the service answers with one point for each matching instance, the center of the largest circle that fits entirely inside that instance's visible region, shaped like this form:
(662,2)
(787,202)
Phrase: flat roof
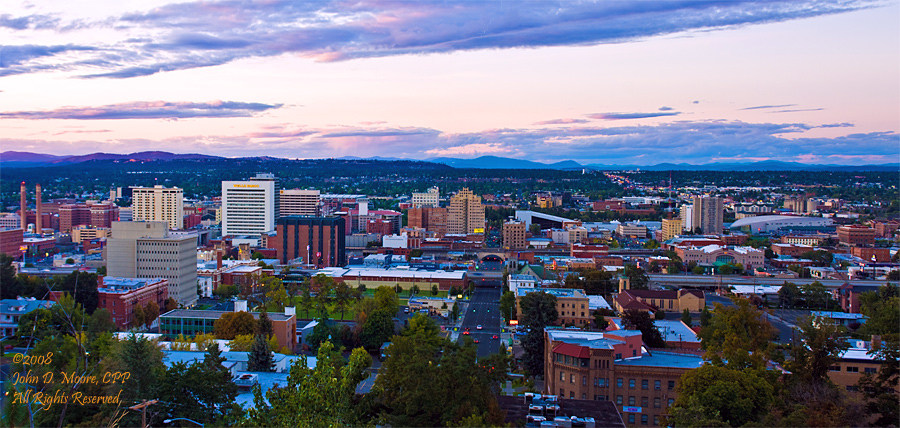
(558,292)
(356,271)
(202,314)
(591,339)
(664,359)
(113,284)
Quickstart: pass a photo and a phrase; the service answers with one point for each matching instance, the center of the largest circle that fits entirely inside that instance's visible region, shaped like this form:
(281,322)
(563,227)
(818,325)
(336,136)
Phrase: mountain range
(13,159)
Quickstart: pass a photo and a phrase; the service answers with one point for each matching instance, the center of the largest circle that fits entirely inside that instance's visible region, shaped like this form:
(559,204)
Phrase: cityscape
(450,214)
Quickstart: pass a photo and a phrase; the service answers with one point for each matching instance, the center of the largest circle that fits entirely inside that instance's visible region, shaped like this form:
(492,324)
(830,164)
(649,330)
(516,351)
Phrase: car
(478,327)
(495,337)
(476,340)
(406,310)
(466,332)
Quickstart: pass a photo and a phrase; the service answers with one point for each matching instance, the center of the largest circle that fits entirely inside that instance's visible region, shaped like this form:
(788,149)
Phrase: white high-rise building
(250,207)
(146,249)
(429,199)
(299,202)
(687,217)
(158,203)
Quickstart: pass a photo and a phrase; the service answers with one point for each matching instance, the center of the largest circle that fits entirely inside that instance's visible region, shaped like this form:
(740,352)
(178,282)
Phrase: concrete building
(686,214)
(632,230)
(250,207)
(513,235)
(319,241)
(146,249)
(709,255)
(615,366)
(708,214)
(299,202)
(428,199)
(671,227)
(12,310)
(80,233)
(120,296)
(466,214)
(191,322)
(158,203)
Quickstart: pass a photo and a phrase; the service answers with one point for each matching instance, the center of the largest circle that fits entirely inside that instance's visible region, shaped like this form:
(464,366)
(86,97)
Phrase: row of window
(852,369)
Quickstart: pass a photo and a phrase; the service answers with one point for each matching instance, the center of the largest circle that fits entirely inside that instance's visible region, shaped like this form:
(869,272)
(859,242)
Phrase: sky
(603,82)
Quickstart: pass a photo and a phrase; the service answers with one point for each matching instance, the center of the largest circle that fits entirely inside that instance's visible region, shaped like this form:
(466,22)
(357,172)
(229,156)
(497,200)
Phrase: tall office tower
(429,199)
(319,240)
(23,206)
(513,234)
(269,177)
(38,227)
(299,202)
(708,214)
(686,214)
(431,219)
(671,227)
(248,207)
(146,249)
(466,213)
(158,203)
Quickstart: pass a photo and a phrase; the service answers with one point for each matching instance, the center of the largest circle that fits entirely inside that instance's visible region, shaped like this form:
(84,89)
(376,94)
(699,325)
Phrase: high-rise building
(146,249)
(466,213)
(320,240)
(514,235)
(299,202)
(102,215)
(709,214)
(687,217)
(429,199)
(431,219)
(250,207)
(671,227)
(158,203)
(72,215)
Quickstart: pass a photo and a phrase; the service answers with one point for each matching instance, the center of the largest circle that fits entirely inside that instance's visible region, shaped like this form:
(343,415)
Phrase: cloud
(180,36)
(561,122)
(147,110)
(767,107)
(797,110)
(666,108)
(621,116)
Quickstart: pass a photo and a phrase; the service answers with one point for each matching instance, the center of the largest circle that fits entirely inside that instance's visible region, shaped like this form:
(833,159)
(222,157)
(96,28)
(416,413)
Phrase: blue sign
(631,409)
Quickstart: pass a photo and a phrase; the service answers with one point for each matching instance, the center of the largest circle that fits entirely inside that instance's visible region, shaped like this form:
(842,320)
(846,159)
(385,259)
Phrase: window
(584,380)
(618,399)
(562,392)
(572,379)
(562,376)
(655,420)
(631,418)
(656,385)
(645,402)
(656,402)
(619,382)
(643,419)
(571,395)
(871,370)
(630,400)
(645,384)
(853,369)
(834,368)
(583,396)
(671,385)
(631,383)
(852,388)
(671,401)
(618,356)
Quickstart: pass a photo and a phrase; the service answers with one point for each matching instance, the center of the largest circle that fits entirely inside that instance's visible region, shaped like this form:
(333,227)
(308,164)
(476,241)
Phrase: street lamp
(181,419)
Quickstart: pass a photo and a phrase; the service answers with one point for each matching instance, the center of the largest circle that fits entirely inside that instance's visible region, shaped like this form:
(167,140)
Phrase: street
(483,310)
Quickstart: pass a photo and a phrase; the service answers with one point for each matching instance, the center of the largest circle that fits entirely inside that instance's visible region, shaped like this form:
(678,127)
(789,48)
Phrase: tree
(725,270)
(673,266)
(535,229)
(342,298)
(424,328)
(454,312)
(378,328)
(151,312)
(231,324)
(599,320)
(321,333)
(264,325)
(386,298)
(538,311)
(821,345)
(83,286)
(686,317)
(434,290)
(660,314)
(634,319)
(705,317)
(789,294)
(718,396)
(637,278)
(323,296)
(416,253)
(697,270)
(816,295)
(819,257)
(508,305)
(260,357)
(171,304)
(11,287)
(202,391)
(306,300)
(138,318)
(326,393)
(738,337)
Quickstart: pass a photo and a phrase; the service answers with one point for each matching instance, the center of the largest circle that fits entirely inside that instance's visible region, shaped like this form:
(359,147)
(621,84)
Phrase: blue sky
(640,82)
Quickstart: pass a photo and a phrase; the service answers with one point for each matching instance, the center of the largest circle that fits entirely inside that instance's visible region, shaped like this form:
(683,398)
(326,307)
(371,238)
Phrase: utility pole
(143,408)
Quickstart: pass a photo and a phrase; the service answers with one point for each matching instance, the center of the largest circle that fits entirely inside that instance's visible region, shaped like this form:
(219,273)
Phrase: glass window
(671,401)
(655,420)
(630,400)
(671,385)
(643,419)
(853,369)
(619,382)
(645,402)
(656,385)
(631,383)
(631,418)
(645,384)
(656,402)
(562,375)
(871,370)
(618,399)
(572,378)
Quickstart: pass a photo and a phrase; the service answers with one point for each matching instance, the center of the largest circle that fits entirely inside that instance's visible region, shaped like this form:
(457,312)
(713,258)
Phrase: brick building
(880,255)
(666,300)
(72,215)
(191,322)
(433,219)
(316,239)
(572,305)
(11,241)
(513,235)
(614,366)
(856,235)
(120,296)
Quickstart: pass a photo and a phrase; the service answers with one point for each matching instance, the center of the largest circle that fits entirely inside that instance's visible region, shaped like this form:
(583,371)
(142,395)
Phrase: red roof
(572,350)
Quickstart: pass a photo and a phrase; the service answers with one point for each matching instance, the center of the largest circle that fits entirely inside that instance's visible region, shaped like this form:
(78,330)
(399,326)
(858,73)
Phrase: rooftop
(355,271)
(113,284)
(664,359)
(558,292)
(200,314)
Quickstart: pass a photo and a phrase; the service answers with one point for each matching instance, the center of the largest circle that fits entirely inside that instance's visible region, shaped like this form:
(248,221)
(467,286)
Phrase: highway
(715,280)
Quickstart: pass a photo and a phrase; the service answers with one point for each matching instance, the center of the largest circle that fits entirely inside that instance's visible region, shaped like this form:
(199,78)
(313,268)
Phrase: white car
(478,327)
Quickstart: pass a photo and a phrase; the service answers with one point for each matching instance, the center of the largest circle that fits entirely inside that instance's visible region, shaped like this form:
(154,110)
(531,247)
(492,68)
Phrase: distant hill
(26,159)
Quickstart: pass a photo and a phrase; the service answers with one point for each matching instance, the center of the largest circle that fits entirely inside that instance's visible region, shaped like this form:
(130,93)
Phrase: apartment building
(466,214)
(158,203)
(250,207)
(513,235)
(572,304)
(708,214)
(299,202)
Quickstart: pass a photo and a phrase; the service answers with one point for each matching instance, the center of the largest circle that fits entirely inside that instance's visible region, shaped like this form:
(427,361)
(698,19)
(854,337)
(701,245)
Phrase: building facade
(299,202)
(709,214)
(158,203)
(191,322)
(428,199)
(318,241)
(572,305)
(671,227)
(513,235)
(120,296)
(250,207)
(146,249)
(466,214)
(856,236)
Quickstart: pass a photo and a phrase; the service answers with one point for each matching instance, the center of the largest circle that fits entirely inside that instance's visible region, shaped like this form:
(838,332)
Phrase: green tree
(321,333)
(718,396)
(599,320)
(508,305)
(306,300)
(821,345)
(705,317)
(634,319)
(697,270)
(386,298)
(202,391)
(11,287)
(638,279)
(789,294)
(816,295)
(264,325)
(326,394)
(738,336)
(434,290)
(538,311)
(260,356)
(414,290)
(138,318)
(323,296)
(424,328)
(454,312)
(378,328)
(660,314)
(686,317)
(231,324)
(151,312)
(819,257)
(343,297)
(241,343)
(725,270)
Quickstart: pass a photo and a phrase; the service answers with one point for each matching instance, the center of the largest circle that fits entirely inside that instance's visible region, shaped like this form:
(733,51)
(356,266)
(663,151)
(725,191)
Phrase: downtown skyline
(611,83)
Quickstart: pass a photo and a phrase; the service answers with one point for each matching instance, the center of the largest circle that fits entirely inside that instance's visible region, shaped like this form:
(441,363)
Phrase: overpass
(713,281)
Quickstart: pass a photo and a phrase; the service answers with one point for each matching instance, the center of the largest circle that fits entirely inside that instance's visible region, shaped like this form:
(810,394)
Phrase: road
(714,280)
(483,309)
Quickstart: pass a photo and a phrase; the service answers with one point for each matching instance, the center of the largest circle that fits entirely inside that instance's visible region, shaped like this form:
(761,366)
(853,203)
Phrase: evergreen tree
(264,325)
(260,357)
(538,311)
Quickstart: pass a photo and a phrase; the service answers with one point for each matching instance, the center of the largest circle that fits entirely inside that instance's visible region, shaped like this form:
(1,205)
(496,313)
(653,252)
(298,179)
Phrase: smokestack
(218,257)
(23,203)
(37,218)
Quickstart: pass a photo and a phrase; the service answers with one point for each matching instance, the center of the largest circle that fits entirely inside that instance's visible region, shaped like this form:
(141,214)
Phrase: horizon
(627,83)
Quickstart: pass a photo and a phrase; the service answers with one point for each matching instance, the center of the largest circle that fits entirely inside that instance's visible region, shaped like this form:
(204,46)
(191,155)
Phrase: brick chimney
(219,257)
(23,203)
(37,204)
